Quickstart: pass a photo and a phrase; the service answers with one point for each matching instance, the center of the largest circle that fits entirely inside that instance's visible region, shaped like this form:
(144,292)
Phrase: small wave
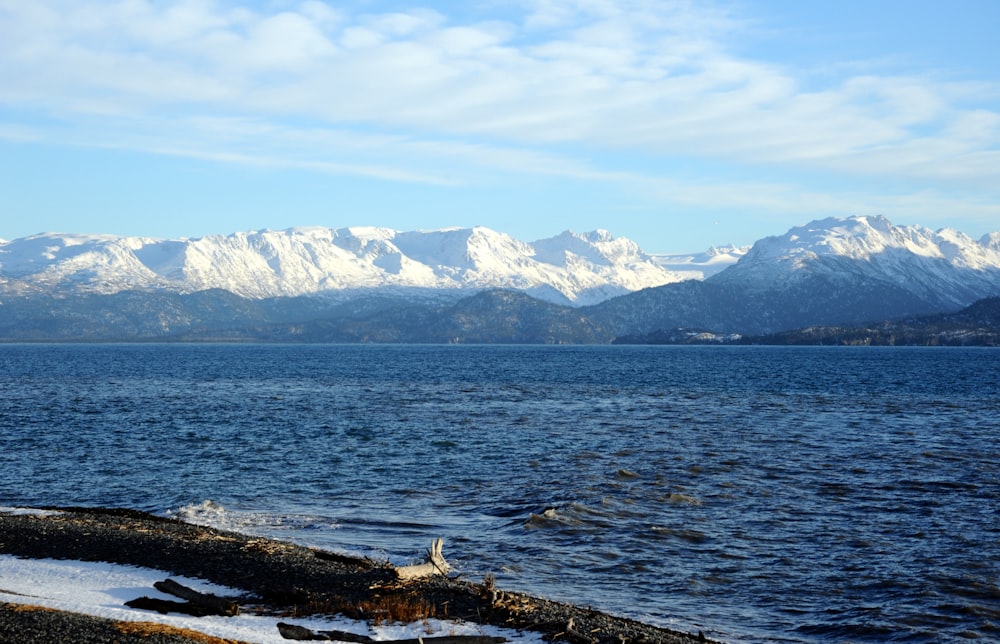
(577,515)
(692,536)
(684,499)
(207,512)
(18,511)
(573,515)
(214,515)
(549,518)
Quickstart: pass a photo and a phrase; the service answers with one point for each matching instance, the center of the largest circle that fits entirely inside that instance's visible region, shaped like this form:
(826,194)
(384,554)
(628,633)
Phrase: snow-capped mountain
(570,268)
(828,272)
(700,266)
(944,268)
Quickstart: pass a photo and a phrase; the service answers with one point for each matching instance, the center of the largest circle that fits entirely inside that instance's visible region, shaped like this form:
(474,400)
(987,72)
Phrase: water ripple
(754,494)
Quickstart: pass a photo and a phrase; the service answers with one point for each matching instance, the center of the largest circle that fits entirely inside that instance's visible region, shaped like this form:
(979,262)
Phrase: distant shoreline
(286,577)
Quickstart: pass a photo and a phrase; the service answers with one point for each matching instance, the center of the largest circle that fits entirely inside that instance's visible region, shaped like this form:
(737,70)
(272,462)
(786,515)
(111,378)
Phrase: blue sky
(677,124)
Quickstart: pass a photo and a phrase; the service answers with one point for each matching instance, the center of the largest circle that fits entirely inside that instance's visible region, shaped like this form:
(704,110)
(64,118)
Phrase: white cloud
(545,92)
(286,40)
(321,13)
(788,204)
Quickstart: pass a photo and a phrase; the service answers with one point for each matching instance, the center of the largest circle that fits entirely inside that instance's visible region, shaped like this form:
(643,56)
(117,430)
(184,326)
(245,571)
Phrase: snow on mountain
(991,241)
(702,265)
(945,267)
(50,259)
(598,262)
(576,268)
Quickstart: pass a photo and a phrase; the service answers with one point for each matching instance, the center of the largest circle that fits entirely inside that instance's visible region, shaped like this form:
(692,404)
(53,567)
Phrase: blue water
(756,494)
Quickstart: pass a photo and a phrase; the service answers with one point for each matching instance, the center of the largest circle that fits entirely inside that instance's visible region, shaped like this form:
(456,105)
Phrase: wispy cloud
(545,86)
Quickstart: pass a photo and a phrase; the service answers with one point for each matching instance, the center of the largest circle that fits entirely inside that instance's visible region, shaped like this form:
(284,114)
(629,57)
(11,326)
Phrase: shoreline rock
(297,581)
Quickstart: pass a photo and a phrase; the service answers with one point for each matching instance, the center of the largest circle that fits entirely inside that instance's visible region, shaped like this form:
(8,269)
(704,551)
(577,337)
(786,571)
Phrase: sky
(678,124)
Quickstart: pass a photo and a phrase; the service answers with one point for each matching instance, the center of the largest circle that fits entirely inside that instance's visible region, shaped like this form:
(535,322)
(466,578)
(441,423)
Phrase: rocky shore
(276,576)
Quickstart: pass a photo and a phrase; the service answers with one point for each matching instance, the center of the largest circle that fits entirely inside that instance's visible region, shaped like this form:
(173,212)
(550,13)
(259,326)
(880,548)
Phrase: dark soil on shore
(278,577)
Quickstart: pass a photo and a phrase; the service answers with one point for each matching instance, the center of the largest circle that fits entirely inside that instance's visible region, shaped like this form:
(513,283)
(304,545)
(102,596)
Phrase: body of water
(755,494)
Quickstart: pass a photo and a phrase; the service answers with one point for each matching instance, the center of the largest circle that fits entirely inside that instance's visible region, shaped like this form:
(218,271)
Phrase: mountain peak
(944,267)
(991,241)
(597,246)
(858,237)
(596,236)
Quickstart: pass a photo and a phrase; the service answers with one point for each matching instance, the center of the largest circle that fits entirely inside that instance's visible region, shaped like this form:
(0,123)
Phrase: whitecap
(36,512)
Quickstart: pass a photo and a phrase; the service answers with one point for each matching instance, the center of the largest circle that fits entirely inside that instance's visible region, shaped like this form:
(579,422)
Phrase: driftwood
(571,633)
(435,564)
(302,634)
(220,605)
(197,604)
(165,606)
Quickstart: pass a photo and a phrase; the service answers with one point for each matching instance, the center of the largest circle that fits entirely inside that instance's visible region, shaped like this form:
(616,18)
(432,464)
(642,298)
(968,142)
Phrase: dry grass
(401,607)
(28,608)
(397,608)
(147,629)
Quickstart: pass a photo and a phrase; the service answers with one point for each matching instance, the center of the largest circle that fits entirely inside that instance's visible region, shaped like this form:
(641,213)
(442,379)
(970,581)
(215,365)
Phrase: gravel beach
(276,576)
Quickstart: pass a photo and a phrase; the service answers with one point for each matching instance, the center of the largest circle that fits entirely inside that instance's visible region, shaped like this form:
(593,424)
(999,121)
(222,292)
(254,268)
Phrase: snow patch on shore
(101,589)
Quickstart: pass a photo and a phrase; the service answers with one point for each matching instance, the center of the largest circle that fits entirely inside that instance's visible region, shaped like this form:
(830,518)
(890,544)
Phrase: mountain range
(478,285)
(571,268)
